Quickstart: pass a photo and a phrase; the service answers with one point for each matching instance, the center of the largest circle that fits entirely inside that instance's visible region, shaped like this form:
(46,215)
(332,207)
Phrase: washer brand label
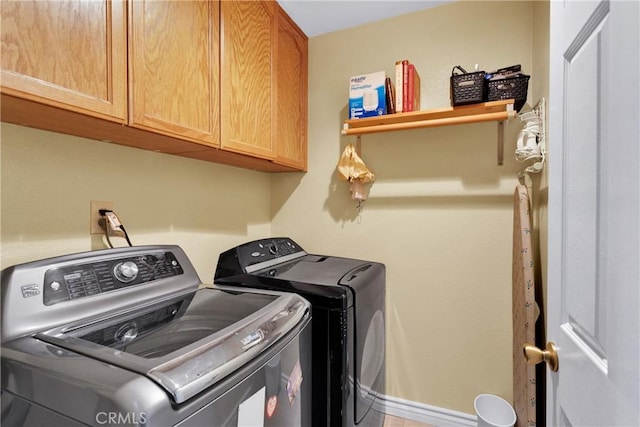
(30,291)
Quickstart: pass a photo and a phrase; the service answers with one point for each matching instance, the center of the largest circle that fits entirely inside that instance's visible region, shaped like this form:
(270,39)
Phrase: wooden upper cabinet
(248,37)
(223,81)
(291,94)
(174,68)
(67,54)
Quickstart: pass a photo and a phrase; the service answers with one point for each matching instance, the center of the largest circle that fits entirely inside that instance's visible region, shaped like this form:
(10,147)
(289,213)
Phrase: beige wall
(49,179)
(440,212)
(439,215)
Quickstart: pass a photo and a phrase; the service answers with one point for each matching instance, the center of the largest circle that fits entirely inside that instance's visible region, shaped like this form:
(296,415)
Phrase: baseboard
(423,413)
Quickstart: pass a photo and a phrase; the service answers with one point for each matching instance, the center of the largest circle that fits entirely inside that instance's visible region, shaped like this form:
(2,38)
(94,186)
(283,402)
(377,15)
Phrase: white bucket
(494,411)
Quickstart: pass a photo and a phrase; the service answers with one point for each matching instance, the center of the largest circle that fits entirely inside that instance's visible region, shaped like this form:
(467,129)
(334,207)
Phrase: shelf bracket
(501,126)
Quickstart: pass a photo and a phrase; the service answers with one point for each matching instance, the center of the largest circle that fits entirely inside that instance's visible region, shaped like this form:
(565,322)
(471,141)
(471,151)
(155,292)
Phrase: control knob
(273,249)
(126,271)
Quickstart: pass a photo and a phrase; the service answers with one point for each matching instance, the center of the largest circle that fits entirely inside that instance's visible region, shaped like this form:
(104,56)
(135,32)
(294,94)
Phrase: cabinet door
(174,68)
(291,119)
(69,54)
(248,44)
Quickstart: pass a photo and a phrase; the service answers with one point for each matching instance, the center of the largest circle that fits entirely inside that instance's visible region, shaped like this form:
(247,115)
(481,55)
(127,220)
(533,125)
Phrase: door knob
(533,355)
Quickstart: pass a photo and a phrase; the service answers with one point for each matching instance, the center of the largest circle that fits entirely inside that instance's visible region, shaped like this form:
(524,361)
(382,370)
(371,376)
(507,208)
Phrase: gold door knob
(533,355)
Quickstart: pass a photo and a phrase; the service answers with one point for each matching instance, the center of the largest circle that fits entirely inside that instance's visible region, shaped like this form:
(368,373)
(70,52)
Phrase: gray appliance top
(316,269)
(282,258)
(39,295)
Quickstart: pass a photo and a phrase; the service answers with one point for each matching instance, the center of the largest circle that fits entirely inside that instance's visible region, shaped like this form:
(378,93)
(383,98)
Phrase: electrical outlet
(94,215)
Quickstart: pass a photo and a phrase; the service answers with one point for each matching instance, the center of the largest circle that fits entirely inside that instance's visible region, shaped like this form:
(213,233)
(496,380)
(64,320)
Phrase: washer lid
(187,344)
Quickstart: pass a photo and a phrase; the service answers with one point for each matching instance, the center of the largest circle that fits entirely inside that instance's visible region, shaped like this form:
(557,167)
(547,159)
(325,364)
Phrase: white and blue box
(367,95)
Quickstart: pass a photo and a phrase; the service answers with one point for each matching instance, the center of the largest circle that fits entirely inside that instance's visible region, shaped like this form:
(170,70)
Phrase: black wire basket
(467,88)
(512,87)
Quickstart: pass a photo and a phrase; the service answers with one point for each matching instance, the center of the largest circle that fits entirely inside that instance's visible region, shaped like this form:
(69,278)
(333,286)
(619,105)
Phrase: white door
(594,211)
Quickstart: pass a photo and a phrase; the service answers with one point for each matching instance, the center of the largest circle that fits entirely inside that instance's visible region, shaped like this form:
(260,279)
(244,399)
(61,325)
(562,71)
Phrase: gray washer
(84,345)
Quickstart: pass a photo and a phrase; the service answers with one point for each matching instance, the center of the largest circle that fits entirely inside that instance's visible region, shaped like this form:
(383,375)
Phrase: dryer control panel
(266,250)
(257,255)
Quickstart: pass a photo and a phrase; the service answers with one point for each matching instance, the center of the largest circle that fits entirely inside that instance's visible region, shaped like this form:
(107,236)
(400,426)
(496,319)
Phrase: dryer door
(368,285)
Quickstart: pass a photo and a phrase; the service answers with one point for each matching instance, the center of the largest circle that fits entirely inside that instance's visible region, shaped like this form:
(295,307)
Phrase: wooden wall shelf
(494,111)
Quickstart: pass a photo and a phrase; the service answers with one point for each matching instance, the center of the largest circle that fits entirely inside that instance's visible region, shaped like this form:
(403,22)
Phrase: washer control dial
(126,272)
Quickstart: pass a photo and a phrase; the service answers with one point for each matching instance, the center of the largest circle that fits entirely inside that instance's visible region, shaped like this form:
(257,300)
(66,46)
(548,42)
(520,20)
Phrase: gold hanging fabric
(351,168)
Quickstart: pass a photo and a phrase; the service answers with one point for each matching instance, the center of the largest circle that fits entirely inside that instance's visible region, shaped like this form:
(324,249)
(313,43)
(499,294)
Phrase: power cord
(110,221)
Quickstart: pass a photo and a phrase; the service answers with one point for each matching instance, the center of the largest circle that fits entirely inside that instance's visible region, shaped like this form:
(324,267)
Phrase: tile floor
(391,421)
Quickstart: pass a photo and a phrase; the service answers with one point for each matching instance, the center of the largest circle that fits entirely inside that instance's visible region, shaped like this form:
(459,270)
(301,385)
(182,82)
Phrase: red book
(413,86)
(411,75)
